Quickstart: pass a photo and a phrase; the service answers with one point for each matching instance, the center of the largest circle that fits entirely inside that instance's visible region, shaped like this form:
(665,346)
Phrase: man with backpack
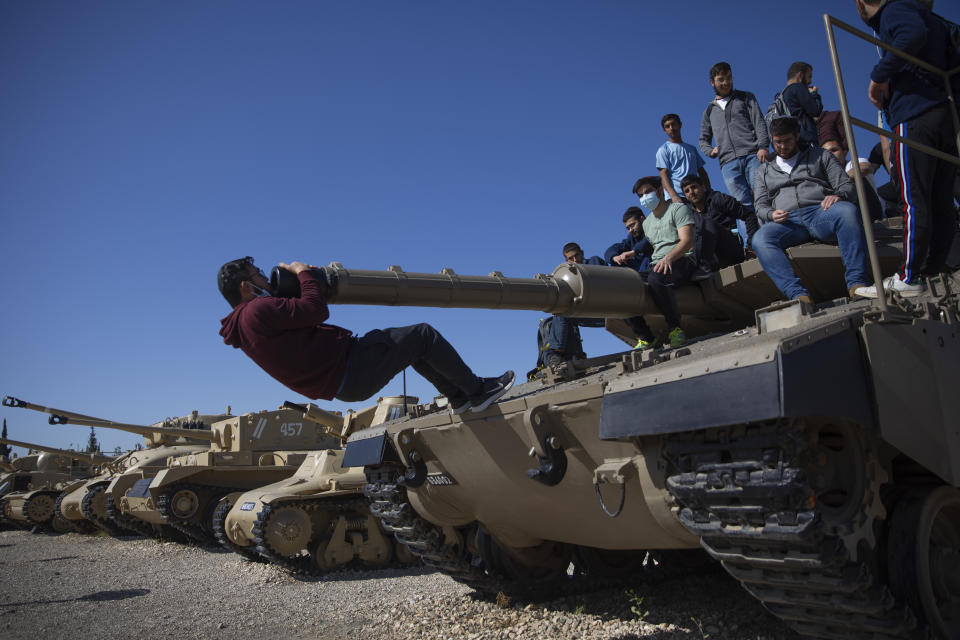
(915,104)
(558,337)
(800,100)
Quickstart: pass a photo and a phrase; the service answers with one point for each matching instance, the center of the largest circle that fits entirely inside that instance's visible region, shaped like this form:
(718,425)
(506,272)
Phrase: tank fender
(819,372)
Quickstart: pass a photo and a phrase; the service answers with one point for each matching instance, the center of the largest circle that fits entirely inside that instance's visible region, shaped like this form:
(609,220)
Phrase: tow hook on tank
(553,466)
(416,472)
(543,431)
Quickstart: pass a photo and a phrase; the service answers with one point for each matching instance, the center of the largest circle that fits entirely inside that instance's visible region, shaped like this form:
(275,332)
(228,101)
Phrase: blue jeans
(564,336)
(839,224)
(738,174)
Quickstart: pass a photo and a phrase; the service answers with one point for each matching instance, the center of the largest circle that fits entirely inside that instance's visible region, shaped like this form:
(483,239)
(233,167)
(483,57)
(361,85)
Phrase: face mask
(650,201)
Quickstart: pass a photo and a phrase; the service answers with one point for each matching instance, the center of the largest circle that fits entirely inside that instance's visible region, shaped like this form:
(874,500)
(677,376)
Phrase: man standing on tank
(916,107)
(803,101)
(289,339)
(733,120)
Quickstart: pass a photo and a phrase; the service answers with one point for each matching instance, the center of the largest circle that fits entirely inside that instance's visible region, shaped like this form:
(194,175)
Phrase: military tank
(15,478)
(317,520)
(813,450)
(245,452)
(94,503)
(57,469)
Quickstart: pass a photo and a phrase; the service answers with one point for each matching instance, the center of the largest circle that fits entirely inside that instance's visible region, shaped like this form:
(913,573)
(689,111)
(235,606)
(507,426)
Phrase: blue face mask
(650,201)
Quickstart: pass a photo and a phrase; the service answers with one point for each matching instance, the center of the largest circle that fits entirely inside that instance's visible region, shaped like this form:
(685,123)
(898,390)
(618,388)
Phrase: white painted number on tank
(291,428)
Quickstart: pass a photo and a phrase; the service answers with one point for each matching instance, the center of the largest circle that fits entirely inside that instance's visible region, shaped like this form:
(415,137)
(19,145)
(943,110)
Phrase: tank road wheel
(39,509)
(184,504)
(607,563)
(318,553)
(924,557)
(403,554)
(845,475)
(533,567)
(288,531)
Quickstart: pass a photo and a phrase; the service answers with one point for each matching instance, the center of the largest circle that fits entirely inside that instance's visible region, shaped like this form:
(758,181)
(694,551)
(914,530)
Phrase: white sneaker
(894,282)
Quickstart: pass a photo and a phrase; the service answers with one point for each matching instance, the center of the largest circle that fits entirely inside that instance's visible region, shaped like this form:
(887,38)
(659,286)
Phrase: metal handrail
(829,23)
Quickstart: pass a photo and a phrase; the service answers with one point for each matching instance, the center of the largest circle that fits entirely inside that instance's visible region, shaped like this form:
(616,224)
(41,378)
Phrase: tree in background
(5,448)
(92,445)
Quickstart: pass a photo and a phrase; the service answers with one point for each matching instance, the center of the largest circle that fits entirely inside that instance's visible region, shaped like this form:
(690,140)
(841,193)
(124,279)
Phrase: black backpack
(778,109)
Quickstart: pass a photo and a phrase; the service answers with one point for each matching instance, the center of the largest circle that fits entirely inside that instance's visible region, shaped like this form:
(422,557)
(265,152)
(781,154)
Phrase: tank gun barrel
(96,458)
(572,289)
(58,416)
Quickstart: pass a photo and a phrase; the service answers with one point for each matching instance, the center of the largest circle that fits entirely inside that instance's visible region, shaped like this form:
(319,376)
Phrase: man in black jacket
(725,211)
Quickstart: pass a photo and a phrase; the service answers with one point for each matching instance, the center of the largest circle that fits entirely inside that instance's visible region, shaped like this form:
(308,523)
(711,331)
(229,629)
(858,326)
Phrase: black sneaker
(458,404)
(493,388)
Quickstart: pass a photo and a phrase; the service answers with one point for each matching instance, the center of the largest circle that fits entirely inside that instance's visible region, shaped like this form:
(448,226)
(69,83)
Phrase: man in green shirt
(670,229)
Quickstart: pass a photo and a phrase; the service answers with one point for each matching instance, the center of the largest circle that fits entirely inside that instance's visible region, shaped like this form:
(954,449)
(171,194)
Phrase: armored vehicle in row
(94,502)
(245,452)
(317,520)
(33,494)
(813,450)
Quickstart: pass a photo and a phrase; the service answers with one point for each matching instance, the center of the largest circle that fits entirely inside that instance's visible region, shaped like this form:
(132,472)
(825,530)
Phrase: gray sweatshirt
(740,129)
(816,175)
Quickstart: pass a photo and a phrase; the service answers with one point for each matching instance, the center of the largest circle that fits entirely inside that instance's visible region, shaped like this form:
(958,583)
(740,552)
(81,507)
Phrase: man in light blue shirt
(676,159)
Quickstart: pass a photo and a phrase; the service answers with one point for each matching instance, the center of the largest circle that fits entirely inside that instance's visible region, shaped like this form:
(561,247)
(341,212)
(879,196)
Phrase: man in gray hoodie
(804,195)
(734,121)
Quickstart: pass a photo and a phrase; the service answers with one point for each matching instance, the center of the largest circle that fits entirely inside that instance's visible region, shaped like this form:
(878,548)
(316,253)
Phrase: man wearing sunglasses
(290,340)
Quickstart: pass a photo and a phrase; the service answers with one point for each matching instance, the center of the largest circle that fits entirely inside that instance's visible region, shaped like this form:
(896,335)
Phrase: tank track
(388,501)
(220,533)
(749,497)
(86,507)
(128,523)
(194,532)
(304,564)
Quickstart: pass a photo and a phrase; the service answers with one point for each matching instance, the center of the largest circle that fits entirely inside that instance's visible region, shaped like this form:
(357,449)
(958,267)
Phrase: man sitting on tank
(634,252)
(564,341)
(289,339)
(722,213)
(805,195)
(670,229)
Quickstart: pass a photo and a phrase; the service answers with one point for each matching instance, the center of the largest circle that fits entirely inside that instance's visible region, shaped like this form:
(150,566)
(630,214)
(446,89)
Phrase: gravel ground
(98,587)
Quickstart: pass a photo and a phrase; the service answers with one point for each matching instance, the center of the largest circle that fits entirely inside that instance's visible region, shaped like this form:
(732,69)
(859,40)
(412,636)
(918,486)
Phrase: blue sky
(144,144)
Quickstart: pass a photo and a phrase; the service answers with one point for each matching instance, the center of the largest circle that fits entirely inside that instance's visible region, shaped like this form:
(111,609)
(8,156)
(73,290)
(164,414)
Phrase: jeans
(381,354)
(738,175)
(840,224)
(564,336)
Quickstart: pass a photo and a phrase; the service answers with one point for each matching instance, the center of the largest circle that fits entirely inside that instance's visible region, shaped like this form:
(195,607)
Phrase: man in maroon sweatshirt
(287,337)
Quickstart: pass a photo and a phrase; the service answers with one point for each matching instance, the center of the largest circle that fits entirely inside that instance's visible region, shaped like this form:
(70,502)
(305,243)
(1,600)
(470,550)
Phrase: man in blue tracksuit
(916,107)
